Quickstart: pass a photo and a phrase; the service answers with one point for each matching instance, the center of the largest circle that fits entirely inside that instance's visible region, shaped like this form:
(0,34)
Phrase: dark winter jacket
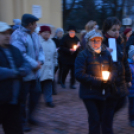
(67,57)
(123,72)
(88,71)
(130,42)
(7,75)
(57,42)
(131,89)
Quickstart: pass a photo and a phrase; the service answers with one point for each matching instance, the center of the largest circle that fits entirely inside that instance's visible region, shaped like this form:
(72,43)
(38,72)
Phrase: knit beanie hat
(71,28)
(45,28)
(127,30)
(92,34)
(131,52)
(28,18)
(59,30)
(16,21)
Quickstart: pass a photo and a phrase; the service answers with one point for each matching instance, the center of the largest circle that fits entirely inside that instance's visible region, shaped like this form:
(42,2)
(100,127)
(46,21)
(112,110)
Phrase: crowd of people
(30,60)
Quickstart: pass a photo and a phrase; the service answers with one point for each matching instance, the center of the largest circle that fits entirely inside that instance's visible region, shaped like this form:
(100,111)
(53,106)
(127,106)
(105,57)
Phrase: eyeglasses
(95,41)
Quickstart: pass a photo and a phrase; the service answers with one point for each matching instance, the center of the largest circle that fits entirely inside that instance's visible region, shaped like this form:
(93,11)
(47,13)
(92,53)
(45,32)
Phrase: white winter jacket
(49,48)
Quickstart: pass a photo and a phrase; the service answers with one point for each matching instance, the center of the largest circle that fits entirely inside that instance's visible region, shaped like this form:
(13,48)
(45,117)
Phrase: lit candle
(75,47)
(105,75)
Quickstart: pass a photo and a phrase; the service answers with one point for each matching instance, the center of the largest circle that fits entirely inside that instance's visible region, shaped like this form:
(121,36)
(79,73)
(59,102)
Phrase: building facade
(48,11)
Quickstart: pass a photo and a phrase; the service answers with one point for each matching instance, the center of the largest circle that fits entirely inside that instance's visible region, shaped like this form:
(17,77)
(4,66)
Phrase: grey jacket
(29,45)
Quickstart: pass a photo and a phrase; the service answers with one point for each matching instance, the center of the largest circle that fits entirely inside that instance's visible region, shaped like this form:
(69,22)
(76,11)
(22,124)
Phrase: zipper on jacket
(101,65)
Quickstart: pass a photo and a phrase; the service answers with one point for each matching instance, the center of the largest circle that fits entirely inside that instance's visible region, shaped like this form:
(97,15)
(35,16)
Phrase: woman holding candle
(92,68)
(69,48)
(115,102)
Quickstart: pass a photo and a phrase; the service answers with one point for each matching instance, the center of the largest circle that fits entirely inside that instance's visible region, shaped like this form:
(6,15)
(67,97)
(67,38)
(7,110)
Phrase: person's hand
(72,50)
(109,49)
(39,64)
(38,67)
(78,45)
(129,84)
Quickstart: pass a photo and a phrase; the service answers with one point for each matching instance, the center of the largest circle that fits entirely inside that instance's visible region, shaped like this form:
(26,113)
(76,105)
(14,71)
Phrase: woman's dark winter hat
(71,28)
(28,18)
(131,52)
(45,28)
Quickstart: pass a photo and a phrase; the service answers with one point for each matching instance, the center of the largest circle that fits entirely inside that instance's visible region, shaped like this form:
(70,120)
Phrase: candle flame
(105,75)
(75,47)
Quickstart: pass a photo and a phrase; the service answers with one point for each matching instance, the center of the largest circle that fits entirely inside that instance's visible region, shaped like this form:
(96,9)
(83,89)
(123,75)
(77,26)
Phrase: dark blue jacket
(131,89)
(130,42)
(7,75)
(88,71)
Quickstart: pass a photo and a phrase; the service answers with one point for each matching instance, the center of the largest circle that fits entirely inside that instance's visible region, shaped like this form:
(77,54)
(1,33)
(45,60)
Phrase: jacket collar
(103,49)
(25,29)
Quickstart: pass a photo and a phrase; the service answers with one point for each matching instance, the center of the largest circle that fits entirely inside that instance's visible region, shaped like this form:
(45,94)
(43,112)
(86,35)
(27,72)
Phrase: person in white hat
(12,68)
(89,65)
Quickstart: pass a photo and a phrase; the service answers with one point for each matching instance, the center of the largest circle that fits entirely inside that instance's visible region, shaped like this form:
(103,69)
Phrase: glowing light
(75,47)
(105,75)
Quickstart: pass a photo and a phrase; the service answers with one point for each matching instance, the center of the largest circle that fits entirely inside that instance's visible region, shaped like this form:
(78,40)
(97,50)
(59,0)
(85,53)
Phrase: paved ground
(70,117)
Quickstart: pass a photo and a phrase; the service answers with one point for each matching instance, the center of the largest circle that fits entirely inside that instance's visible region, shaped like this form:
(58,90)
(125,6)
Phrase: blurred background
(79,12)
(61,13)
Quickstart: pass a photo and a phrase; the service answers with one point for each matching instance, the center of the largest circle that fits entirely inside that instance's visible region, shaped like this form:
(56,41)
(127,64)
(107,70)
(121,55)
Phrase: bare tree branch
(67,11)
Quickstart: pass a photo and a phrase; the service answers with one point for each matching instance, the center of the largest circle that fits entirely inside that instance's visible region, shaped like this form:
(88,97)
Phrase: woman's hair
(90,25)
(109,22)
(82,34)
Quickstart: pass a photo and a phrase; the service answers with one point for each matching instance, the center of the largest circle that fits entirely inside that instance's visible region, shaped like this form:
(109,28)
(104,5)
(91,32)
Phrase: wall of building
(51,10)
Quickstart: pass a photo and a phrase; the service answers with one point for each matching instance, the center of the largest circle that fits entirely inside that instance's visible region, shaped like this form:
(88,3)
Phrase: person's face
(59,34)
(5,37)
(45,35)
(95,43)
(114,31)
(72,33)
(32,26)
